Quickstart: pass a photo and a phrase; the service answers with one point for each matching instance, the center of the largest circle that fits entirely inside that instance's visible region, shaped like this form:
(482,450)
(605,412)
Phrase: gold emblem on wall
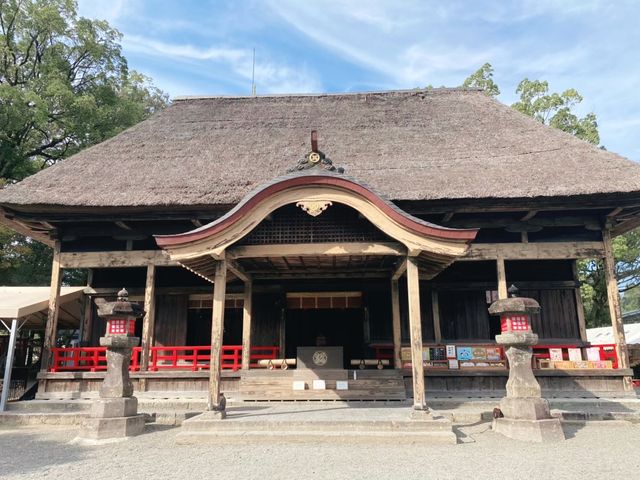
(314,207)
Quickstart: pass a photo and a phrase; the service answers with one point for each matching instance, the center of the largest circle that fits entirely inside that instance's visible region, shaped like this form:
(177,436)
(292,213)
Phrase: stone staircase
(362,385)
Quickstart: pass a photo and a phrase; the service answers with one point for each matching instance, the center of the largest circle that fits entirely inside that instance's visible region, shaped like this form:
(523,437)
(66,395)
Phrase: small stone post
(526,413)
(115,413)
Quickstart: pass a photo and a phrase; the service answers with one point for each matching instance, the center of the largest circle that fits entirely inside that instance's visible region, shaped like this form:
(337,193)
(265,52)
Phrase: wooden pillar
(502,279)
(51,328)
(87,313)
(148,324)
(582,326)
(613,298)
(246,325)
(217,330)
(435,311)
(395,318)
(415,329)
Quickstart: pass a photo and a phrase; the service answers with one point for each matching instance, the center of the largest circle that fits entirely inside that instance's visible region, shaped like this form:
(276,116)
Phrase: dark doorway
(340,327)
(199,327)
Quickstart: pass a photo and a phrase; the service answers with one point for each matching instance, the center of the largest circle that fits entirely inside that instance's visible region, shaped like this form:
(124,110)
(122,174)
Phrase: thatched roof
(411,145)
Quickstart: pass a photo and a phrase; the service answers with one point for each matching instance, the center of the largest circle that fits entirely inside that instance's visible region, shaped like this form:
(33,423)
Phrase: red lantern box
(121,326)
(514,322)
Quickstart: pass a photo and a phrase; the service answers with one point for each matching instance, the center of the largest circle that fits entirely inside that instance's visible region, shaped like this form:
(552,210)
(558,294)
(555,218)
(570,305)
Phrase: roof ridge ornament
(315,158)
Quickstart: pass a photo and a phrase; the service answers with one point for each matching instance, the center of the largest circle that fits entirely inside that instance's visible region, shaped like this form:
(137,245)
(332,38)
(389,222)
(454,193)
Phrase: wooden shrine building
(354,239)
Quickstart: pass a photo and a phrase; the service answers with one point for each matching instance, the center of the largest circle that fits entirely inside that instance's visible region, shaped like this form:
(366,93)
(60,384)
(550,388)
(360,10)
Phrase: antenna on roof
(253,74)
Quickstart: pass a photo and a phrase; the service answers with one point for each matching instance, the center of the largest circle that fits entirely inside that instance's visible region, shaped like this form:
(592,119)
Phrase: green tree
(555,109)
(626,250)
(64,85)
(483,78)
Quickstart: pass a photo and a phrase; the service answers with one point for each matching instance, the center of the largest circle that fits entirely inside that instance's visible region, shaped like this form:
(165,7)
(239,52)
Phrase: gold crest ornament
(314,207)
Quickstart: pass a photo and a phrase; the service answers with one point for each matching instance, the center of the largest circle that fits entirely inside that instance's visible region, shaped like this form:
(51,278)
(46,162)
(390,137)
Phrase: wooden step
(278,385)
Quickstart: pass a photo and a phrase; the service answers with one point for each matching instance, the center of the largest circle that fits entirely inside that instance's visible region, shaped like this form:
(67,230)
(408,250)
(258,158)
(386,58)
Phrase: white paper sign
(319,385)
(451,351)
(575,354)
(342,385)
(299,385)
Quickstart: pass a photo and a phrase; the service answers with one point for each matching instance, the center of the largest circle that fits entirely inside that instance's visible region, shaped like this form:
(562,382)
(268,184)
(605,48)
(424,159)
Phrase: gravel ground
(590,452)
(47,451)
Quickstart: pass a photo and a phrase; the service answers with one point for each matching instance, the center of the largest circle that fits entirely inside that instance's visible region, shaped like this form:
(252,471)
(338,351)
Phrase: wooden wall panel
(265,324)
(171,320)
(558,317)
(464,315)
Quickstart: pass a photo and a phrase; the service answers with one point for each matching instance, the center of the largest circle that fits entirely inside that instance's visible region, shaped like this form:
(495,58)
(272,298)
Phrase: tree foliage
(64,85)
(483,78)
(626,250)
(555,109)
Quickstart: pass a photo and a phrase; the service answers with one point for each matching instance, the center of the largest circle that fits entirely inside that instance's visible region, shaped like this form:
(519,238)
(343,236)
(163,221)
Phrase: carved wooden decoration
(314,207)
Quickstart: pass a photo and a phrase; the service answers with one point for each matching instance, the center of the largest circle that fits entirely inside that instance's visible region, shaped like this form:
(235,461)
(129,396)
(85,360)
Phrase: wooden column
(246,325)
(217,330)
(613,298)
(435,311)
(51,328)
(502,279)
(395,318)
(148,324)
(87,311)
(582,326)
(415,329)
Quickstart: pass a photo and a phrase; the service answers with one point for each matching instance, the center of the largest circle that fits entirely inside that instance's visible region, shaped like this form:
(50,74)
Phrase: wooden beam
(415,329)
(502,278)
(395,319)
(123,225)
(582,326)
(448,216)
(321,275)
(148,323)
(524,237)
(625,227)
(530,214)
(7,219)
(435,310)
(534,251)
(246,324)
(87,312)
(51,329)
(217,329)
(123,258)
(613,297)
(399,270)
(614,213)
(238,271)
(314,249)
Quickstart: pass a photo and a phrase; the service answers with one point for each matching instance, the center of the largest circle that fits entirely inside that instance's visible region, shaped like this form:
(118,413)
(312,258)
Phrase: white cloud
(271,76)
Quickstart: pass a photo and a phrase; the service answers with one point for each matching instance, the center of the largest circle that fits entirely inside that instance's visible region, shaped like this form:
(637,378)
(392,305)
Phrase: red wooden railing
(93,359)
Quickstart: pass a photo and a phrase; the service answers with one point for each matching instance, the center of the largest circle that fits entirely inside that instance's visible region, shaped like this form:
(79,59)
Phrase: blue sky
(192,47)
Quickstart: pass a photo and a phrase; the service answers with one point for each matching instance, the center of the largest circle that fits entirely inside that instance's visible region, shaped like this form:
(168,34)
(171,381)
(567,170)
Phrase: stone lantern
(115,413)
(526,413)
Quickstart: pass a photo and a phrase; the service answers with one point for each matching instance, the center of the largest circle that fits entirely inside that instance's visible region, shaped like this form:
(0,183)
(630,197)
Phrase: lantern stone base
(541,431)
(113,418)
(114,407)
(535,408)
(113,428)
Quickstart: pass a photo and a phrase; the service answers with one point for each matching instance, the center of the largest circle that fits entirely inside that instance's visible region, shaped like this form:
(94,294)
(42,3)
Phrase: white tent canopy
(31,303)
(604,335)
